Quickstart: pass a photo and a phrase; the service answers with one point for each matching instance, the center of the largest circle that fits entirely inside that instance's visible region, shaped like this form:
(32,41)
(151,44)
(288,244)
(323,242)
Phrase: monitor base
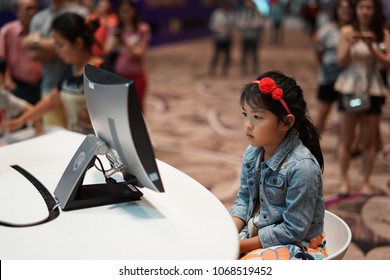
(103,194)
(72,194)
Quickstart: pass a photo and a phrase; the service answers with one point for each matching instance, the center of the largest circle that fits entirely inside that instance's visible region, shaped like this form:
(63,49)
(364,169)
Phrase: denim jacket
(291,199)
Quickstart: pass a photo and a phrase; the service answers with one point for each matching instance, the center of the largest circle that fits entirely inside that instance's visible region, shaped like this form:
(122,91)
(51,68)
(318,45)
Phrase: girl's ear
(79,43)
(288,122)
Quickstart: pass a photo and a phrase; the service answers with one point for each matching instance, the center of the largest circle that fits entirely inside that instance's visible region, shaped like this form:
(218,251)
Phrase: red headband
(268,86)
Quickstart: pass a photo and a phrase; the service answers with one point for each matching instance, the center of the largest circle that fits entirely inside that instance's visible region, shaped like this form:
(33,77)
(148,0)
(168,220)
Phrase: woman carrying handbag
(364,46)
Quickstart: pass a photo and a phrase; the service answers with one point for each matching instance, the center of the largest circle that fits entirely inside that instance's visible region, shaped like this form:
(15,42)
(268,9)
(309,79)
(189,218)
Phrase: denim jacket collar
(282,151)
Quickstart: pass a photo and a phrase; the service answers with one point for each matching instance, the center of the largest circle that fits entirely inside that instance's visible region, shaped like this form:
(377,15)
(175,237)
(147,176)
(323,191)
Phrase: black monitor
(121,135)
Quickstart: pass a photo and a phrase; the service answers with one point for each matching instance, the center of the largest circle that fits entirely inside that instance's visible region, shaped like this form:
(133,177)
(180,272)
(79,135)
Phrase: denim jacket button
(251,183)
(265,216)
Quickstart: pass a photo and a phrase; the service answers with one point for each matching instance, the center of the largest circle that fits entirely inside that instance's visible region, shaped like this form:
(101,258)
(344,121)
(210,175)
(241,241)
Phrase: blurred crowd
(352,44)
(45,50)
(43,53)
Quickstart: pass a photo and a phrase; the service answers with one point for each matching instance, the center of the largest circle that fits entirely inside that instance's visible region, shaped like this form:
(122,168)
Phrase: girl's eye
(244,114)
(256,117)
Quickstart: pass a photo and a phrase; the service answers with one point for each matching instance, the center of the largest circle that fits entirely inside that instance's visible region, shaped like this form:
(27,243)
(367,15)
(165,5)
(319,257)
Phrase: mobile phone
(366,37)
(363,37)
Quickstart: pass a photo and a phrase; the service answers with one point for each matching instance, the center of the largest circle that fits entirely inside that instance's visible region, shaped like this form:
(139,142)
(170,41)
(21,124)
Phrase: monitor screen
(121,136)
(118,121)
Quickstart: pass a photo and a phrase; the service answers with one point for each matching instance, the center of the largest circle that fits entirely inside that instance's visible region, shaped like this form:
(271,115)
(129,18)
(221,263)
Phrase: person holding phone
(361,56)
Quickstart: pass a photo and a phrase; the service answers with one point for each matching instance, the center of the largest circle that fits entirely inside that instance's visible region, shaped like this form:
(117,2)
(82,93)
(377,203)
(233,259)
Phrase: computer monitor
(121,135)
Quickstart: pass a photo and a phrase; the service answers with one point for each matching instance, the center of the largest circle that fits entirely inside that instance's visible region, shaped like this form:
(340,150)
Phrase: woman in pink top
(130,39)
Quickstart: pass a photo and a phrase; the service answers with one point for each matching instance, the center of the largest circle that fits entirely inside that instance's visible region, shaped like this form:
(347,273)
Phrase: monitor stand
(73,194)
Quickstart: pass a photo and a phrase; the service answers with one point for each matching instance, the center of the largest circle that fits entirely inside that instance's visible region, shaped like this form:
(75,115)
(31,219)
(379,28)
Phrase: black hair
(72,26)
(377,21)
(333,7)
(293,97)
(135,20)
(3,66)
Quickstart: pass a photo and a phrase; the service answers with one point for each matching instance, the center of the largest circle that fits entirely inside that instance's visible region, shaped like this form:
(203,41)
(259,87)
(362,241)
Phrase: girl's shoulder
(327,30)
(304,158)
(329,26)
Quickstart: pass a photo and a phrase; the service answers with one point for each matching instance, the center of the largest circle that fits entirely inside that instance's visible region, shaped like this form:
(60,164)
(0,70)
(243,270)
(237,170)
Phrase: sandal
(343,195)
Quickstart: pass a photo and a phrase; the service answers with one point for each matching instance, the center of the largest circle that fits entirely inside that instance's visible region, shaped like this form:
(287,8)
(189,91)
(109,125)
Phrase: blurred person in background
(362,52)
(73,40)
(250,24)
(310,10)
(221,24)
(88,4)
(106,19)
(130,40)
(11,106)
(277,13)
(24,73)
(326,41)
(40,45)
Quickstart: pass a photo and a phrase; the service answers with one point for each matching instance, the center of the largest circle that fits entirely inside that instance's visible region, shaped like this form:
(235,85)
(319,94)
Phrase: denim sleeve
(303,187)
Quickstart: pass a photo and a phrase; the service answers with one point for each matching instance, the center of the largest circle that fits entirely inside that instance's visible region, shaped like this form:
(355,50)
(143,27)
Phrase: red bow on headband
(268,86)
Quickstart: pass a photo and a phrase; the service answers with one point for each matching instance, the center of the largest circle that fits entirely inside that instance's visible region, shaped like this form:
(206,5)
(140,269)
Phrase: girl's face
(126,12)
(262,127)
(65,49)
(365,11)
(344,12)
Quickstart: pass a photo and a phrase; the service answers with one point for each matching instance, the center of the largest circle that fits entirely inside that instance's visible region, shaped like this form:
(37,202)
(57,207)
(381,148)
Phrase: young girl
(279,209)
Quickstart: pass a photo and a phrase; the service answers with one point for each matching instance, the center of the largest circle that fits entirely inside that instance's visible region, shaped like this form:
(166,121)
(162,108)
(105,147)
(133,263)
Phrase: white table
(185,222)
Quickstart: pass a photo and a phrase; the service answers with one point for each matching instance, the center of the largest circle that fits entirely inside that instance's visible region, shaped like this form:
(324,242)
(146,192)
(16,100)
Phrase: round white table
(185,222)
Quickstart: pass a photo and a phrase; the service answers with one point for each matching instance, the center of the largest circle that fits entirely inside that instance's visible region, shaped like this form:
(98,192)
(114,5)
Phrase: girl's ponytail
(309,136)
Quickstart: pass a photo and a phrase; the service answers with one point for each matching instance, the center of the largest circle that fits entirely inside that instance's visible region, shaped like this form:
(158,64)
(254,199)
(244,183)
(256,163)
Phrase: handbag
(356,103)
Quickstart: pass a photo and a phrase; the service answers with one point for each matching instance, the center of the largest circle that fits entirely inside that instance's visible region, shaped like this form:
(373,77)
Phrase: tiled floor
(194,122)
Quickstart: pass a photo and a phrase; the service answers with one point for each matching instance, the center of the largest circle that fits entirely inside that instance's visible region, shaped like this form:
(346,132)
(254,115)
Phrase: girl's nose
(248,124)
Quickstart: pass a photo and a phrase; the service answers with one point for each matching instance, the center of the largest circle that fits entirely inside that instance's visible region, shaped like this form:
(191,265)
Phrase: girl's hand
(368,37)
(239,223)
(12,125)
(29,41)
(247,245)
(355,36)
